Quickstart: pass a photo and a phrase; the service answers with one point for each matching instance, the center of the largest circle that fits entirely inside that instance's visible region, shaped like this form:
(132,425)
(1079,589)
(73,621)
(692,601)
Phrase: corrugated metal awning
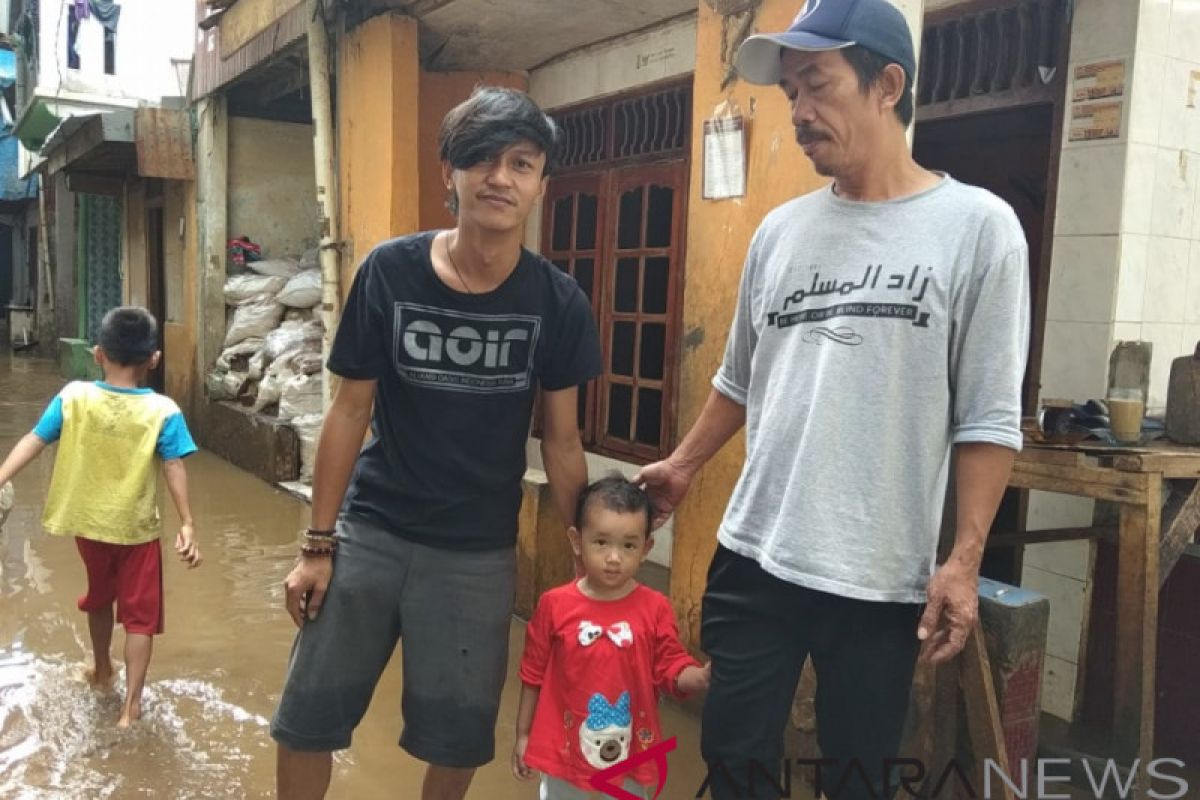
(147,142)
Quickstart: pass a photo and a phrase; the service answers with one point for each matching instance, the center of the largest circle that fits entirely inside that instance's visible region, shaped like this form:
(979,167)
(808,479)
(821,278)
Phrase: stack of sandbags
(272,336)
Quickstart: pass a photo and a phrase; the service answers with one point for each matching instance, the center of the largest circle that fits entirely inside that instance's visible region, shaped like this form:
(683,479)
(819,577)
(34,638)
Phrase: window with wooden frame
(614,218)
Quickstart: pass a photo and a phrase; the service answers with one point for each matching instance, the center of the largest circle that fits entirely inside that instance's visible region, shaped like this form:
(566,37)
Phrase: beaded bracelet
(318,552)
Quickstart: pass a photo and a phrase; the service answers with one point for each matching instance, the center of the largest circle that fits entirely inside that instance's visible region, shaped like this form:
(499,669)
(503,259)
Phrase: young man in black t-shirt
(447,334)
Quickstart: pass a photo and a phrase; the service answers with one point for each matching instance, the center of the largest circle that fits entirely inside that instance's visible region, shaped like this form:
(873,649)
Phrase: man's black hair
(869,66)
(615,493)
(491,120)
(129,335)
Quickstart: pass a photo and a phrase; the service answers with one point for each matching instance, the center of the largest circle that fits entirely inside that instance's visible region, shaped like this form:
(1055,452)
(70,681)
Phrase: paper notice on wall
(1100,120)
(724,157)
(1101,79)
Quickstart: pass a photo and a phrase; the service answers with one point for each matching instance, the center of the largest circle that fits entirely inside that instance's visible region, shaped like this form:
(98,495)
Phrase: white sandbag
(301,395)
(287,337)
(257,365)
(311,259)
(308,429)
(306,363)
(238,356)
(254,318)
(271,387)
(283,267)
(224,385)
(302,291)
(298,314)
(240,288)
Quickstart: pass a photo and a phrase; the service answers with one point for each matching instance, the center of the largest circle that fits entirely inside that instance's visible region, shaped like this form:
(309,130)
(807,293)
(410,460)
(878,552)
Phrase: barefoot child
(598,653)
(102,491)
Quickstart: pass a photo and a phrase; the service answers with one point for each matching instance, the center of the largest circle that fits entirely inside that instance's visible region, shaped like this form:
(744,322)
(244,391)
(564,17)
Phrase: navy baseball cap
(876,25)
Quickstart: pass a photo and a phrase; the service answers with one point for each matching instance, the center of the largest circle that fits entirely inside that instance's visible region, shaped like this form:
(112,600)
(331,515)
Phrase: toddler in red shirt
(598,653)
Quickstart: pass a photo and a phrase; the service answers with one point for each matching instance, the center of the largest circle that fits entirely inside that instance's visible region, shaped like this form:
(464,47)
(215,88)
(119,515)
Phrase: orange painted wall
(378,82)
(719,233)
(440,92)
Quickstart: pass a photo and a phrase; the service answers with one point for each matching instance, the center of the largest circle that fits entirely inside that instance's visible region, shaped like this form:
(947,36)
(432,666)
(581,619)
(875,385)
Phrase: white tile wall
(1075,359)
(1058,687)
(1180,107)
(1083,277)
(1185,29)
(1166,279)
(1174,192)
(1146,101)
(1104,28)
(1154,26)
(1066,610)
(1131,279)
(1125,332)
(1191,303)
(1089,190)
(1063,559)
(1138,200)
(1168,343)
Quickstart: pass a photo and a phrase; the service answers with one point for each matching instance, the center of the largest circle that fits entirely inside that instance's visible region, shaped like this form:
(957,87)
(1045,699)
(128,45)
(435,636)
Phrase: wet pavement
(216,672)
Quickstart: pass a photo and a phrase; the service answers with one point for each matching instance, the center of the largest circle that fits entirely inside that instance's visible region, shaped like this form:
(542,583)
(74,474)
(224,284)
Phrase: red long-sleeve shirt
(601,666)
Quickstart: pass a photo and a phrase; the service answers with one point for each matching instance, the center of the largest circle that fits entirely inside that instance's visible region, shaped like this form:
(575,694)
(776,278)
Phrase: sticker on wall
(725,154)
(1101,79)
(1091,121)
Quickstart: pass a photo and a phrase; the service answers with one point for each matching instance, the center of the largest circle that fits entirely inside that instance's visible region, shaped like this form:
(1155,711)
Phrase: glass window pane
(622,348)
(562,264)
(654,290)
(658,221)
(629,220)
(585,274)
(562,223)
(620,410)
(653,349)
(649,416)
(625,292)
(585,228)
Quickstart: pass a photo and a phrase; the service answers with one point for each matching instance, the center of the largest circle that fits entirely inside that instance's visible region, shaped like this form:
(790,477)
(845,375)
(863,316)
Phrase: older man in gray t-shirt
(881,321)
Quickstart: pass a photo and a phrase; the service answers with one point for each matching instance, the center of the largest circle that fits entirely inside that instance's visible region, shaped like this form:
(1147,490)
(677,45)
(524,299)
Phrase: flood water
(216,672)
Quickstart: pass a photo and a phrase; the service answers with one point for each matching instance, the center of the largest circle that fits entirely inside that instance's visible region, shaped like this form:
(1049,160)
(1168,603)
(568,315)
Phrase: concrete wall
(149,35)
(272,185)
(666,51)
(182,380)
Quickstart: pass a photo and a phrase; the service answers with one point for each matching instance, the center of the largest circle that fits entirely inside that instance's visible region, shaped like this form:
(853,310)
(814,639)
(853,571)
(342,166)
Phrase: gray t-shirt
(868,338)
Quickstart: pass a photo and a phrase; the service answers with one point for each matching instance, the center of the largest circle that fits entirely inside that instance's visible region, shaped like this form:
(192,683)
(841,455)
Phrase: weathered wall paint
(180,334)
(378,83)
(719,233)
(272,185)
(440,92)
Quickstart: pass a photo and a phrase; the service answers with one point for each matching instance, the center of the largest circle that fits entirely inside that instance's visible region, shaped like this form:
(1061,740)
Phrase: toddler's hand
(521,770)
(694,679)
(186,547)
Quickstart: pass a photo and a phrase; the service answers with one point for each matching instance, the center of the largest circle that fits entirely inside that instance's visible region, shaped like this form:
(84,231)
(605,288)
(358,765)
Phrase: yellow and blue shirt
(110,442)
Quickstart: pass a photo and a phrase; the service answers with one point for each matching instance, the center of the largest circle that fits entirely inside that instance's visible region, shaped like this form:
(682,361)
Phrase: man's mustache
(808,135)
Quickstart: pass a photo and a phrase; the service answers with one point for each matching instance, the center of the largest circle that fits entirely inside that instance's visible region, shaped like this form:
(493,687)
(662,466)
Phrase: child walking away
(102,492)
(598,653)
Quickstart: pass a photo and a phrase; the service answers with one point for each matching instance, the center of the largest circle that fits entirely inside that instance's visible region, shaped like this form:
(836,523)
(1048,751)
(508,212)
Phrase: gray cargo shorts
(452,609)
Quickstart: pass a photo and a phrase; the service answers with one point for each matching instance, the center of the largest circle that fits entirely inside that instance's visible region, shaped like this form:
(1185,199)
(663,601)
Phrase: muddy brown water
(217,670)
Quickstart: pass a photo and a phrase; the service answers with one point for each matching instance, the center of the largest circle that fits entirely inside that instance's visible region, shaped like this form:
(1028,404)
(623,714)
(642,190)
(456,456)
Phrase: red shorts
(130,574)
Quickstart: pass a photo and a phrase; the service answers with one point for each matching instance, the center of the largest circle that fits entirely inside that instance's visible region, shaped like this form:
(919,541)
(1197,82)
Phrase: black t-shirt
(456,377)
